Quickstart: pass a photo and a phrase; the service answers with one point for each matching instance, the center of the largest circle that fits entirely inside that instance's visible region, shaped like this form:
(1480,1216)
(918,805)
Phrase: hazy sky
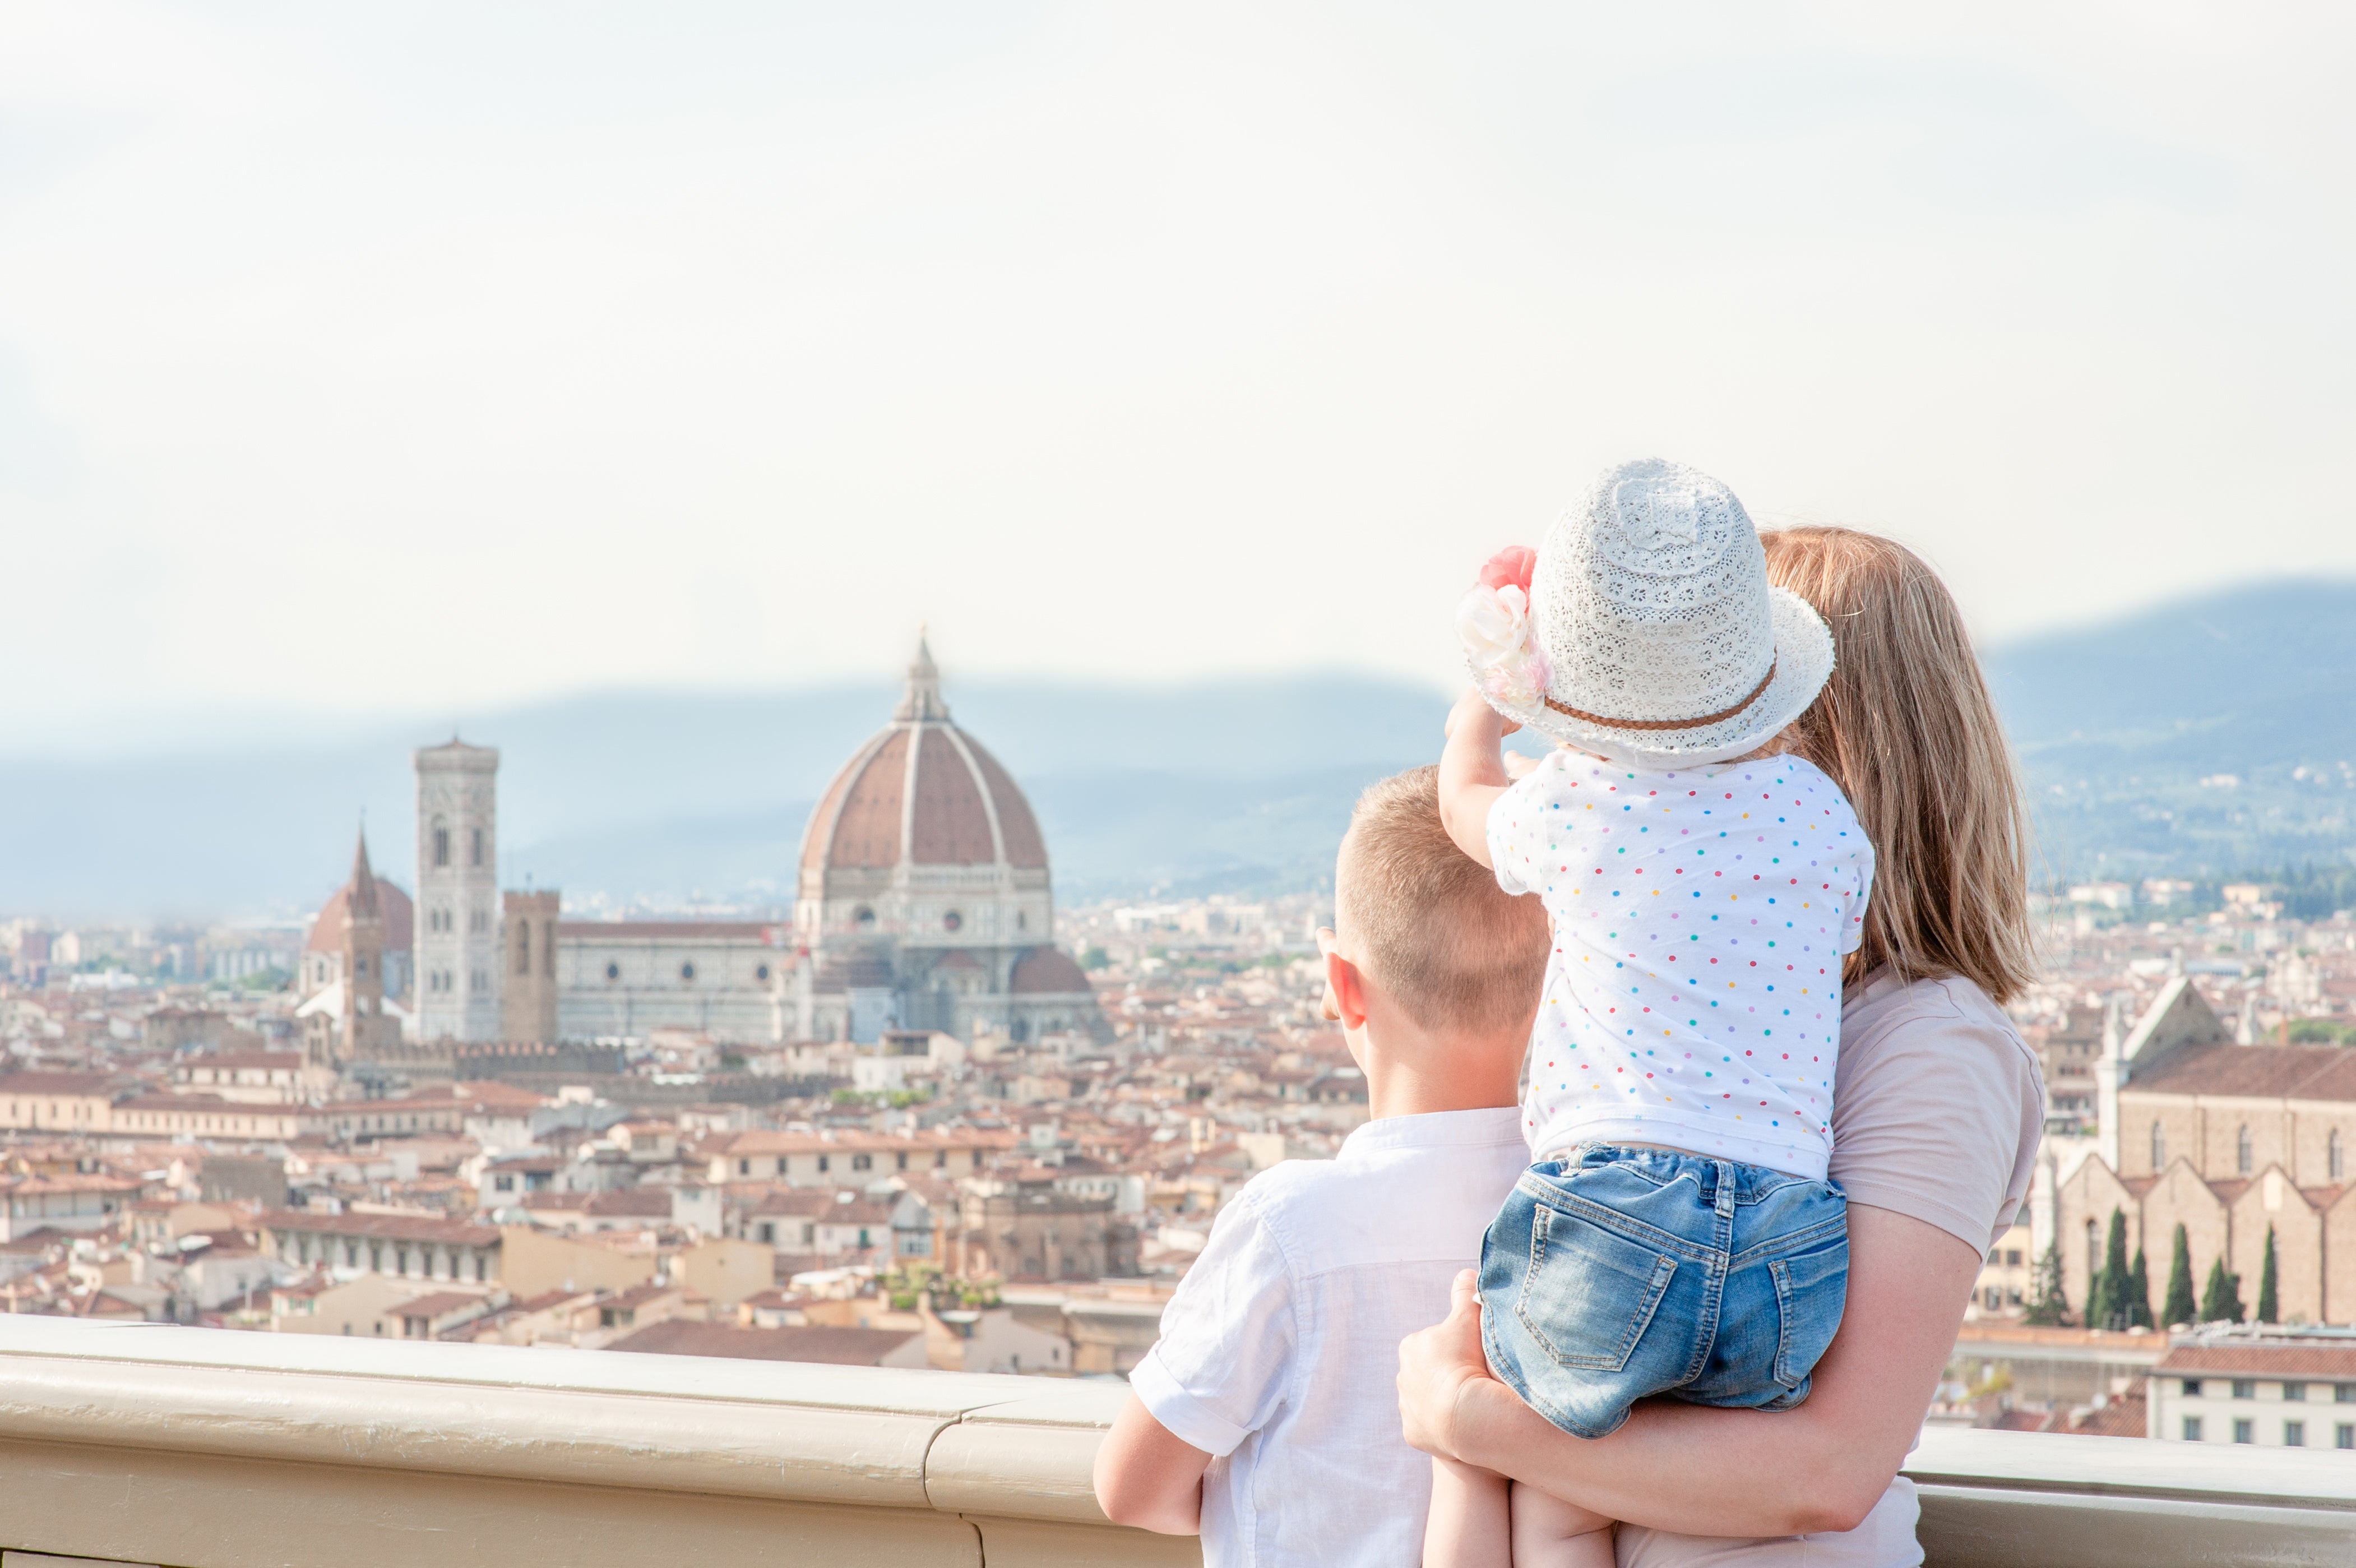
(415,355)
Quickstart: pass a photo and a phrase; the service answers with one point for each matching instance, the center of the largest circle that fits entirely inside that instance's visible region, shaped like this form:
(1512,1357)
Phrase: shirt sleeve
(1861,889)
(1217,1373)
(1936,1112)
(1517,830)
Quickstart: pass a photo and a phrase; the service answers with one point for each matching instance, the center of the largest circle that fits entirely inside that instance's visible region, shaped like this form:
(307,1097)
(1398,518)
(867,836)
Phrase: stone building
(923,902)
(528,929)
(458,968)
(2231,1141)
(350,1018)
(925,899)
(1029,1230)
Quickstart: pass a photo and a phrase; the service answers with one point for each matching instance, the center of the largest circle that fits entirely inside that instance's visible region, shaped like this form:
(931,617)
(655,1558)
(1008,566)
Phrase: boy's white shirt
(1278,1352)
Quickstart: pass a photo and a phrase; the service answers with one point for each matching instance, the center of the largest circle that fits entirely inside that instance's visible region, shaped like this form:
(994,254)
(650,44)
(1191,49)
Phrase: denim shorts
(1621,1273)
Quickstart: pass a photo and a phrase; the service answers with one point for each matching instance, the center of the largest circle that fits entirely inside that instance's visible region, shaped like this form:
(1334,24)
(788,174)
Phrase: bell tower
(457,940)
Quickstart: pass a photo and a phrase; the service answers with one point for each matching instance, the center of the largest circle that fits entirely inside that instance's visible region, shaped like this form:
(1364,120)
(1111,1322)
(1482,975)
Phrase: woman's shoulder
(1938,1041)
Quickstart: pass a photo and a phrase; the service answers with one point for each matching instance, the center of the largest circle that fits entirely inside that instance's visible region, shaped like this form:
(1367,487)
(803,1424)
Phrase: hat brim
(1804,663)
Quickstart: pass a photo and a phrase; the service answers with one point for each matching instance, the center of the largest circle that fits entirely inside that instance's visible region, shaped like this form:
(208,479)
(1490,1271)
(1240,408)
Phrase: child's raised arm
(1472,773)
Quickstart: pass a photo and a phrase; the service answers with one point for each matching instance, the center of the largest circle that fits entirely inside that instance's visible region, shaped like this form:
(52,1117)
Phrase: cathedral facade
(925,900)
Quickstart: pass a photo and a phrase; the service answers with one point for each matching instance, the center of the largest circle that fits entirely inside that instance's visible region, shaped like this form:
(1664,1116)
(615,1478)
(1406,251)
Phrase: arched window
(477,849)
(523,947)
(2242,1150)
(2094,1250)
(686,971)
(2335,1157)
(2158,1147)
(441,844)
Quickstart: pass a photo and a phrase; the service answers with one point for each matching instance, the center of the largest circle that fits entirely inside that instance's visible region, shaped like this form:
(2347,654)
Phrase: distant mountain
(1233,784)
(2200,738)
(671,795)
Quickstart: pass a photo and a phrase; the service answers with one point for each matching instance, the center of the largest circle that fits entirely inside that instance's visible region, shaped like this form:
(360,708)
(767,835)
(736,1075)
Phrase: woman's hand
(1437,1366)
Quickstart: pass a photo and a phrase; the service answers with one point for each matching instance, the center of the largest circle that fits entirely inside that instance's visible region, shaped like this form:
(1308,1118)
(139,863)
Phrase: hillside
(2129,732)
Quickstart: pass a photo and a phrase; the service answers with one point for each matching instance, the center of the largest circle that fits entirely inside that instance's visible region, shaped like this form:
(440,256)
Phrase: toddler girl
(1677,1234)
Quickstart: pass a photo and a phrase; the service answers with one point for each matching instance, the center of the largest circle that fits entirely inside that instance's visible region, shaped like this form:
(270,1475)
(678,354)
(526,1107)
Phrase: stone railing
(196,1448)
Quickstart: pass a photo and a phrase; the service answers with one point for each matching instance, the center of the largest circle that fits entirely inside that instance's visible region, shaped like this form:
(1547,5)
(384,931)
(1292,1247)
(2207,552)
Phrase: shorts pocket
(1811,1290)
(1589,1295)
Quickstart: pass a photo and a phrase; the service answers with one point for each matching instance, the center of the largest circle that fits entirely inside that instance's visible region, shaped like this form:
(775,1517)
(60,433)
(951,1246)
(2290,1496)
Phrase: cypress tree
(2106,1302)
(2220,1298)
(2181,1307)
(2269,1302)
(2138,1299)
(2049,1307)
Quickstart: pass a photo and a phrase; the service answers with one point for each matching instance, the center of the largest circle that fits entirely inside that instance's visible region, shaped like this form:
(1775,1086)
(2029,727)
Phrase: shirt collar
(1489,1126)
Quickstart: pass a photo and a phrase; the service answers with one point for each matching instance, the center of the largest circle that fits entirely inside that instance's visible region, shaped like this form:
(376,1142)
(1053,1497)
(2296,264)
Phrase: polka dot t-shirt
(1694,995)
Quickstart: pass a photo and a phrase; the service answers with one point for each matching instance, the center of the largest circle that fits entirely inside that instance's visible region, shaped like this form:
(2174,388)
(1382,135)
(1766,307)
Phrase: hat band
(1756,693)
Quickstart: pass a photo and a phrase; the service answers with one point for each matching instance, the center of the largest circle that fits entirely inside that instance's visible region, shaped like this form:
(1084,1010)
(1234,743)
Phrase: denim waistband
(1744,1182)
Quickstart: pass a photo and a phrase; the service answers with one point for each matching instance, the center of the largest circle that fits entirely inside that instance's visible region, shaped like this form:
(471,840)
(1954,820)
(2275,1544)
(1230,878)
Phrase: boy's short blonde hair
(1431,925)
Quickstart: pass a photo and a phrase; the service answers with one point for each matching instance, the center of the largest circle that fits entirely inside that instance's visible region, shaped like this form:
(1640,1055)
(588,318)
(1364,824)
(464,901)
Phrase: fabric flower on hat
(1511,567)
(1494,624)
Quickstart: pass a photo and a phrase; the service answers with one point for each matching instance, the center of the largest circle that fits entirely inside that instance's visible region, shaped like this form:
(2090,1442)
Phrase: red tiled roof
(1047,971)
(835,1347)
(2324,1362)
(678,930)
(859,823)
(393,907)
(382,1227)
(2125,1416)
(57,1083)
(2259,1072)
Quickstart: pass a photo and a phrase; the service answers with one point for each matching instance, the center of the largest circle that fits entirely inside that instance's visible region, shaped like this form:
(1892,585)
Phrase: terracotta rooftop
(382,1227)
(922,792)
(835,1347)
(393,908)
(2258,1072)
(1047,971)
(2325,1363)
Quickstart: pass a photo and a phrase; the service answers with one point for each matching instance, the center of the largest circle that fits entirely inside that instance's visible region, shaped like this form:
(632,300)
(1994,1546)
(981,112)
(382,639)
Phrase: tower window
(686,971)
(2158,1147)
(612,972)
(441,844)
(476,850)
(2242,1150)
(523,947)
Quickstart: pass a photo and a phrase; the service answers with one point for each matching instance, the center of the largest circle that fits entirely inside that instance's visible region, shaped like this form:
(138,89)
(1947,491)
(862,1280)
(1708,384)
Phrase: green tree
(2106,1300)
(2220,1298)
(2048,1306)
(2269,1301)
(2139,1295)
(2181,1307)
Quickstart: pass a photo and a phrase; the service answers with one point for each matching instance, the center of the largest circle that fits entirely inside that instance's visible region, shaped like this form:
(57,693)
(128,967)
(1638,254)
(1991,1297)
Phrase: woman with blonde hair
(1937,1109)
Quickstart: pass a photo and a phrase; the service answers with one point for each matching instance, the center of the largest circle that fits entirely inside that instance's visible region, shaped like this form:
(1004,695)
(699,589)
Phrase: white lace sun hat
(1646,627)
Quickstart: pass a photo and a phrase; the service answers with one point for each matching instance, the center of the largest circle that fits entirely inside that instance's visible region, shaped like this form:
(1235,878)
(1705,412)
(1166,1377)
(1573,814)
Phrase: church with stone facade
(2232,1140)
(923,900)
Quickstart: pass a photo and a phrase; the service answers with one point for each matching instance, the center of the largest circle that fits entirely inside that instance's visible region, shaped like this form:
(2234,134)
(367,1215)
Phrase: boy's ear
(1345,987)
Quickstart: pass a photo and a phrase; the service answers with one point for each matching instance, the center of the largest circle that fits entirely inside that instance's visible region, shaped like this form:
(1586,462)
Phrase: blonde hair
(1431,925)
(1905,726)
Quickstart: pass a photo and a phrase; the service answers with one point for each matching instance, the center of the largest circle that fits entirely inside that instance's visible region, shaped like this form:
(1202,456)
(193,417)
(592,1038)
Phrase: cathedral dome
(393,908)
(922,793)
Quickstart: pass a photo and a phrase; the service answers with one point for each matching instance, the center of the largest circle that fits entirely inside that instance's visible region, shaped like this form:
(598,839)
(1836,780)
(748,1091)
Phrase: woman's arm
(1820,1467)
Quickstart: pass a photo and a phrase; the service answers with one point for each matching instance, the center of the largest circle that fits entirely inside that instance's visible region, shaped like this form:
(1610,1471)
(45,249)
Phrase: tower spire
(363,895)
(923,700)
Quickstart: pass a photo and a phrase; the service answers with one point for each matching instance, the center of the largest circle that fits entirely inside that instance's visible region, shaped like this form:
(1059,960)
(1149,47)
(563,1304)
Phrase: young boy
(1266,1418)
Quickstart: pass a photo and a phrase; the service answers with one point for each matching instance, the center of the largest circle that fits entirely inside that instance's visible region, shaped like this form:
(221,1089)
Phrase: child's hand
(1472,708)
